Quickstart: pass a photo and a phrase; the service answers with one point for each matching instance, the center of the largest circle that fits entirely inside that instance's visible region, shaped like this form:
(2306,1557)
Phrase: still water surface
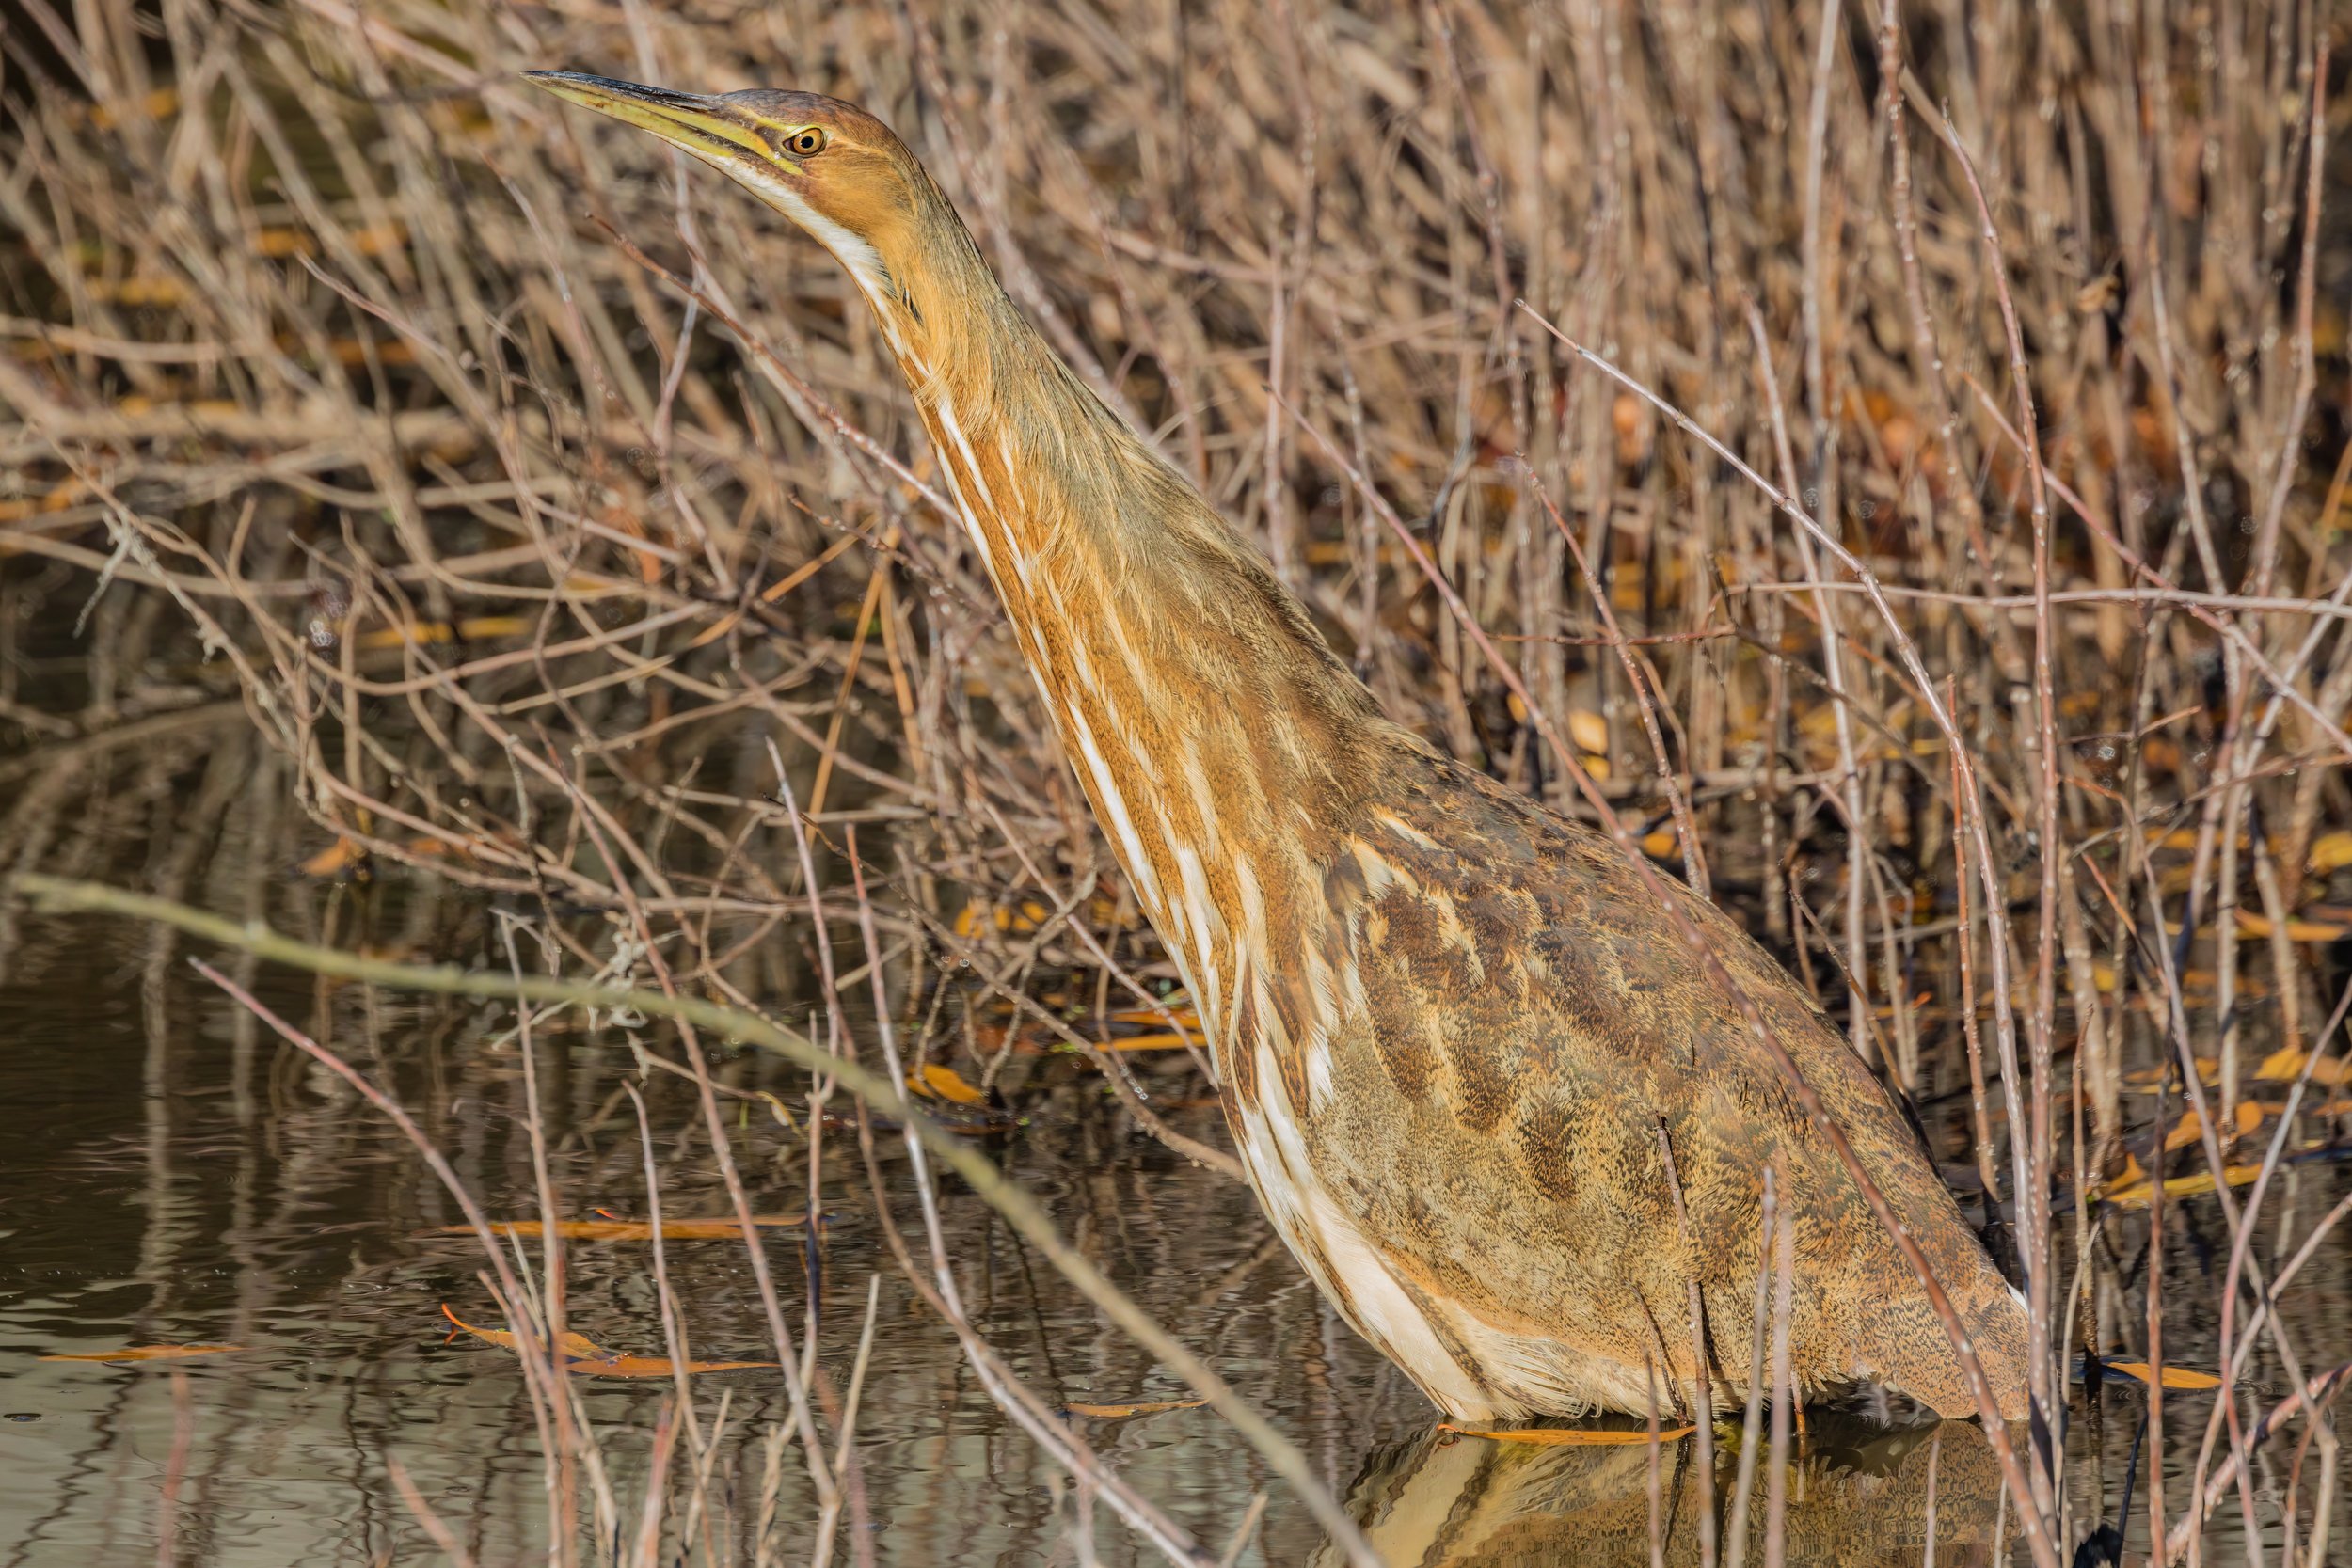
(174,1176)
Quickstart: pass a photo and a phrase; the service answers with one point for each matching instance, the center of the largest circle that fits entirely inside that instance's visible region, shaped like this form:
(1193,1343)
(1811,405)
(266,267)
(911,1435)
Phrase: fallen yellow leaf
(975,916)
(2297,930)
(583,1358)
(934,1082)
(2191,1127)
(438,849)
(1185,1018)
(2174,1377)
(575,1347)
(155,105)
(1568,1438)
(2285,1065)
(56,500)
(651,1366)
(2133,1189)
(161,292)
(337,859)
(2155,1078)
(2193,981)
(2330,852)
(147,1353)
(1161,1041)
(1588,729)
(478,629)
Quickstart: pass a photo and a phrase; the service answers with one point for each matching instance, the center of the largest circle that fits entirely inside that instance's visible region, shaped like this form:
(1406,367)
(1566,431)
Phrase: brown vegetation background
(333,414)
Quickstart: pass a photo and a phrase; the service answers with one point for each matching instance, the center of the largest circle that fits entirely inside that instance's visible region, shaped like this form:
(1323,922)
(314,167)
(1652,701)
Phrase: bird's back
(1485,1188)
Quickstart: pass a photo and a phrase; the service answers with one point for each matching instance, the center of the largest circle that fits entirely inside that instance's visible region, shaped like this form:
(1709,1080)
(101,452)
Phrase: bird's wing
(1531,1023)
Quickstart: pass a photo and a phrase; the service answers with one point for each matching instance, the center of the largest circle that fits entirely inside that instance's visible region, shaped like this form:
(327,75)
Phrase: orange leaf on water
(977,917)
(2133,1189)
(2191,1127)
(584,1357)
(1568,1438)
(2330,852)
(1161,1041)
(1113,1412)
(934,1082)
(335,860)
(147,1353)
(2297,930)
(1182,1012)
(2174,1377)
(2155,1078)
(477,629)
(2285,1065)
(630,1230)
(575,1347)
(653,1366)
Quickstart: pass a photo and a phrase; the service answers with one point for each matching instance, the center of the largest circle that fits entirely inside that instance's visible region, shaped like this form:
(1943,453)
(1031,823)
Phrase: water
(173,1175)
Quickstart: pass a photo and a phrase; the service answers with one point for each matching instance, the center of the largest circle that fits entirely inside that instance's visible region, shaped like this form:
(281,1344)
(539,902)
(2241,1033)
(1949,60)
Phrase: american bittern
(1449,1024)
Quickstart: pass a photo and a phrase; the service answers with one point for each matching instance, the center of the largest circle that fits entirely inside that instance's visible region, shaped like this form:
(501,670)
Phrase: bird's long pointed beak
(710,128)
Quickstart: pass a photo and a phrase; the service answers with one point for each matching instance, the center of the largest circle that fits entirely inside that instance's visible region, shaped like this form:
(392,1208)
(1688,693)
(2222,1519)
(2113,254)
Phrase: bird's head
(829,166)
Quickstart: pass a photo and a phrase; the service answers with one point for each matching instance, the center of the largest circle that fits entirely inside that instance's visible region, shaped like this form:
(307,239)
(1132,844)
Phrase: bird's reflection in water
(1858,1495)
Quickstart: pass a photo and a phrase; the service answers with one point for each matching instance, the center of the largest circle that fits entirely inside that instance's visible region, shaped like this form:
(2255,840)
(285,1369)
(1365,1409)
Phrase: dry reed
(1942,413)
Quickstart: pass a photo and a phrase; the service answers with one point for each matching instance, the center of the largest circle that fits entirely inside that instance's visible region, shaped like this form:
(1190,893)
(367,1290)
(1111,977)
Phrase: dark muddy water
(173,1175)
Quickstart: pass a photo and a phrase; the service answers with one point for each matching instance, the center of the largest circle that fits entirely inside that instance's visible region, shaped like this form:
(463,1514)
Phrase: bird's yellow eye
(806,144)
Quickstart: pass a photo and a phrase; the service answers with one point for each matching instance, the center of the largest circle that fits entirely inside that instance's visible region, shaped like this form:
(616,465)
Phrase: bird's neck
(1225,749)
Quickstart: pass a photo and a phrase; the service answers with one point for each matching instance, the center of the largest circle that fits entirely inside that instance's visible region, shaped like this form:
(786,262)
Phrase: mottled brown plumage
(1448,1022)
